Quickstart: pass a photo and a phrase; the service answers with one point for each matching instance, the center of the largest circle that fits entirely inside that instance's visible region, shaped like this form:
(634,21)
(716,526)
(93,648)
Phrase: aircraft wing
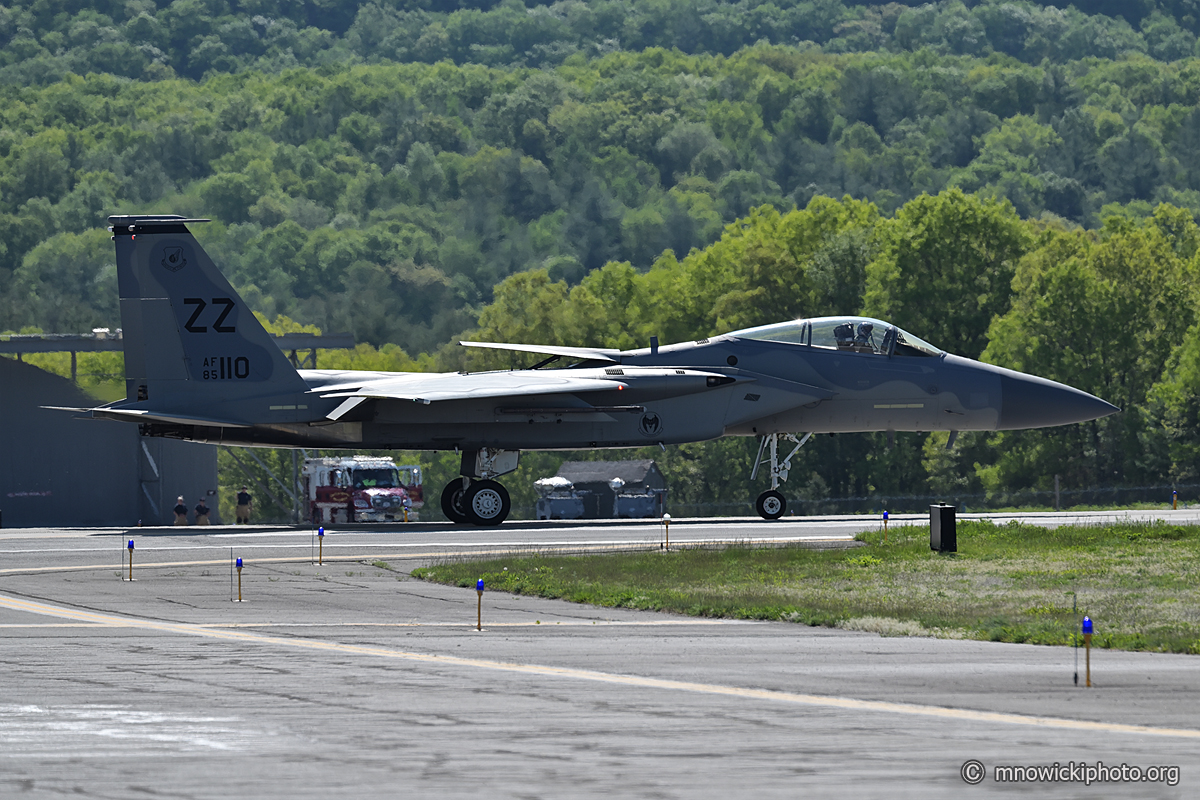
(422,387)
(589,353)
(428,387)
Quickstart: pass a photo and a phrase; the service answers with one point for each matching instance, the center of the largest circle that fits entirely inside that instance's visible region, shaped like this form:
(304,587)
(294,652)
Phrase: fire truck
(362,489)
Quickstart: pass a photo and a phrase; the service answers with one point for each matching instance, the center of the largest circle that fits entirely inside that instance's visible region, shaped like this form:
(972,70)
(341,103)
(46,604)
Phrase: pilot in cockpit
(864,341)
(860,340)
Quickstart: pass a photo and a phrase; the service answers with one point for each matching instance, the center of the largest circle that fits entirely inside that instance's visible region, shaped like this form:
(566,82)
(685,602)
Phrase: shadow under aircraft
(199,366)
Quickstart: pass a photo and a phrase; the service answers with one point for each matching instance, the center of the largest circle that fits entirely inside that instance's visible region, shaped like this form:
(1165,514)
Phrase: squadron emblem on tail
(173,258)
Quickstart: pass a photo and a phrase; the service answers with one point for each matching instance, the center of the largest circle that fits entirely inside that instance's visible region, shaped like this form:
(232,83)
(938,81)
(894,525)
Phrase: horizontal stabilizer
(141,415)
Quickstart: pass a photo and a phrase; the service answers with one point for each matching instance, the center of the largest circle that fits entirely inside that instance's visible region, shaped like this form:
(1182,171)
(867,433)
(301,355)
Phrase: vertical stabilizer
(188,336)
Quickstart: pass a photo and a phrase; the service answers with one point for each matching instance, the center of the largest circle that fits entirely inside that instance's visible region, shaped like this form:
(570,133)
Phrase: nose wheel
(770,505)
(483,503)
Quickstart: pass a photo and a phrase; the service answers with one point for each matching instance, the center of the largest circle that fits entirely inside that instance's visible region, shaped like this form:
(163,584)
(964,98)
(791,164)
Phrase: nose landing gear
(771,504)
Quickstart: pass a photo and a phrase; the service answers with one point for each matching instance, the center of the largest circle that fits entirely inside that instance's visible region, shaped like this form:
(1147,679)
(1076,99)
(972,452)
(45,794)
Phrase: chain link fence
(1029,500)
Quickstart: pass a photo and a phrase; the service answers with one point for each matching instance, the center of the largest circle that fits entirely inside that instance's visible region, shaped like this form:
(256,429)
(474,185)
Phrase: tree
(68,284)
(1102,313)
(945,268)
(229,196)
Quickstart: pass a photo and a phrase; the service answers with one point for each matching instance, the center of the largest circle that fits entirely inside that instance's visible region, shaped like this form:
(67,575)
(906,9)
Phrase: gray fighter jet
(199,366)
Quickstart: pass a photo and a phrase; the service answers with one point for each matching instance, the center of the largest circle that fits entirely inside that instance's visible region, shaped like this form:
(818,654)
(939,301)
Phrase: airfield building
(630,489)
(59,471)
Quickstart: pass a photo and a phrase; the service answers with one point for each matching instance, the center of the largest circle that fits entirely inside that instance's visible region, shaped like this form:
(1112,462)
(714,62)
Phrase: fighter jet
(199,366)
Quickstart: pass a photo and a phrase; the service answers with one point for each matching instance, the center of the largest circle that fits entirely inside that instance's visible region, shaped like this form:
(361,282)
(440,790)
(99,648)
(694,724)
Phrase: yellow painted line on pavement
(820,701)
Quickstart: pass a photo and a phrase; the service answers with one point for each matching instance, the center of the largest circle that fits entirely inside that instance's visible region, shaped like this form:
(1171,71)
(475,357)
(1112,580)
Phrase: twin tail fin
(188,336)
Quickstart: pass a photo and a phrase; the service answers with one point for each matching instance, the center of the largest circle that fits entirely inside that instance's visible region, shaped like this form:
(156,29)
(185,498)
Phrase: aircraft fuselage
(775,387)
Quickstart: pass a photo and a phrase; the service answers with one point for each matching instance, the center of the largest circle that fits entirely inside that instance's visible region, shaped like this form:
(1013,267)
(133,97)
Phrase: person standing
(180,512)
(202,513)
(244,501)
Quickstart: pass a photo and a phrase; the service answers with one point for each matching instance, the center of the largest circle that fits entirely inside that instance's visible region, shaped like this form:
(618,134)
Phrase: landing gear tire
(452,502)
(770,505)
(486,503)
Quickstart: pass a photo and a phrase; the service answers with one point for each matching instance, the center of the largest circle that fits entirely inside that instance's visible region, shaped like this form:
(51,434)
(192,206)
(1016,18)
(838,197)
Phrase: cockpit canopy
(855,334)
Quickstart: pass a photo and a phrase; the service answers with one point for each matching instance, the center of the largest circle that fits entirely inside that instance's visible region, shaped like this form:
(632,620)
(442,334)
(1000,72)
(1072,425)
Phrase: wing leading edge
(586,353)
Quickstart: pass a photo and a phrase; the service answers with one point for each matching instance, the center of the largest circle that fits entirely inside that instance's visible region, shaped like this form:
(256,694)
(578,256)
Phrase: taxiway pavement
(352,679)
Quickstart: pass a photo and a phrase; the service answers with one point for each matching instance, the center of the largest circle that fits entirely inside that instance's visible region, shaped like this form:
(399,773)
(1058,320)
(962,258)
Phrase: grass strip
(1007,583)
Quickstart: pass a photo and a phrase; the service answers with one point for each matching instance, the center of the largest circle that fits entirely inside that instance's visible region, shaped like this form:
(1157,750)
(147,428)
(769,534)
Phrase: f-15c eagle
(199,366)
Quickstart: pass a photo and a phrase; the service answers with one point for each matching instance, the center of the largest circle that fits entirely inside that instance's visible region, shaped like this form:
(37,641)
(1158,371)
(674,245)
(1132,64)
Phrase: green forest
(1013,181)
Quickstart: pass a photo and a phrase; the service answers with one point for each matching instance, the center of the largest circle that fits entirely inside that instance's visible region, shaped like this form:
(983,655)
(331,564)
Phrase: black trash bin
(943,537)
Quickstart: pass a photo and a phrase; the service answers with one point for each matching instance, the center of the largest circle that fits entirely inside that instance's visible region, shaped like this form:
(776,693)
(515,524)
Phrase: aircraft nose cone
(1030,402)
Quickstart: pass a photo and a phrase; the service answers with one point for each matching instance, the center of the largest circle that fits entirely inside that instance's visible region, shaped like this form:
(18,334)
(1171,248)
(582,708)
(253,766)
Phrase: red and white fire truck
(362,489)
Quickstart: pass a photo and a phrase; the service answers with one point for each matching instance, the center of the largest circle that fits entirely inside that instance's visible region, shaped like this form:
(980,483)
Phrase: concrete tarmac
(352,679)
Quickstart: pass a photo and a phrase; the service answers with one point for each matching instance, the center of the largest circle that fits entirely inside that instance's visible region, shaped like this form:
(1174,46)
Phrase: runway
(353,679)
(33,549)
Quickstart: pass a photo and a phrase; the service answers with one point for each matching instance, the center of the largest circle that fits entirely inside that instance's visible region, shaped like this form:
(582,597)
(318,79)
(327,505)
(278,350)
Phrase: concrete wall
(56,470)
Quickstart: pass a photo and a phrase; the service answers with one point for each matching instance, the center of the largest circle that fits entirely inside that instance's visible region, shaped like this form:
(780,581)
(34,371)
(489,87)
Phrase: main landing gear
(771,504)
(482,502)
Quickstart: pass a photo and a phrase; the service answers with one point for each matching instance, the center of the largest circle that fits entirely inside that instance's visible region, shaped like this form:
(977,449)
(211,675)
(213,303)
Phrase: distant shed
(641,495)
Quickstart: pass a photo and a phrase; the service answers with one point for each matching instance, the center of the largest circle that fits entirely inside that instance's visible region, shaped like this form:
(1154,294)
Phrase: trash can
(942,534)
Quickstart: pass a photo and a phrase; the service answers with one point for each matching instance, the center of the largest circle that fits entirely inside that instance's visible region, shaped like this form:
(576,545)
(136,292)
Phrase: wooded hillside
(560,173)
